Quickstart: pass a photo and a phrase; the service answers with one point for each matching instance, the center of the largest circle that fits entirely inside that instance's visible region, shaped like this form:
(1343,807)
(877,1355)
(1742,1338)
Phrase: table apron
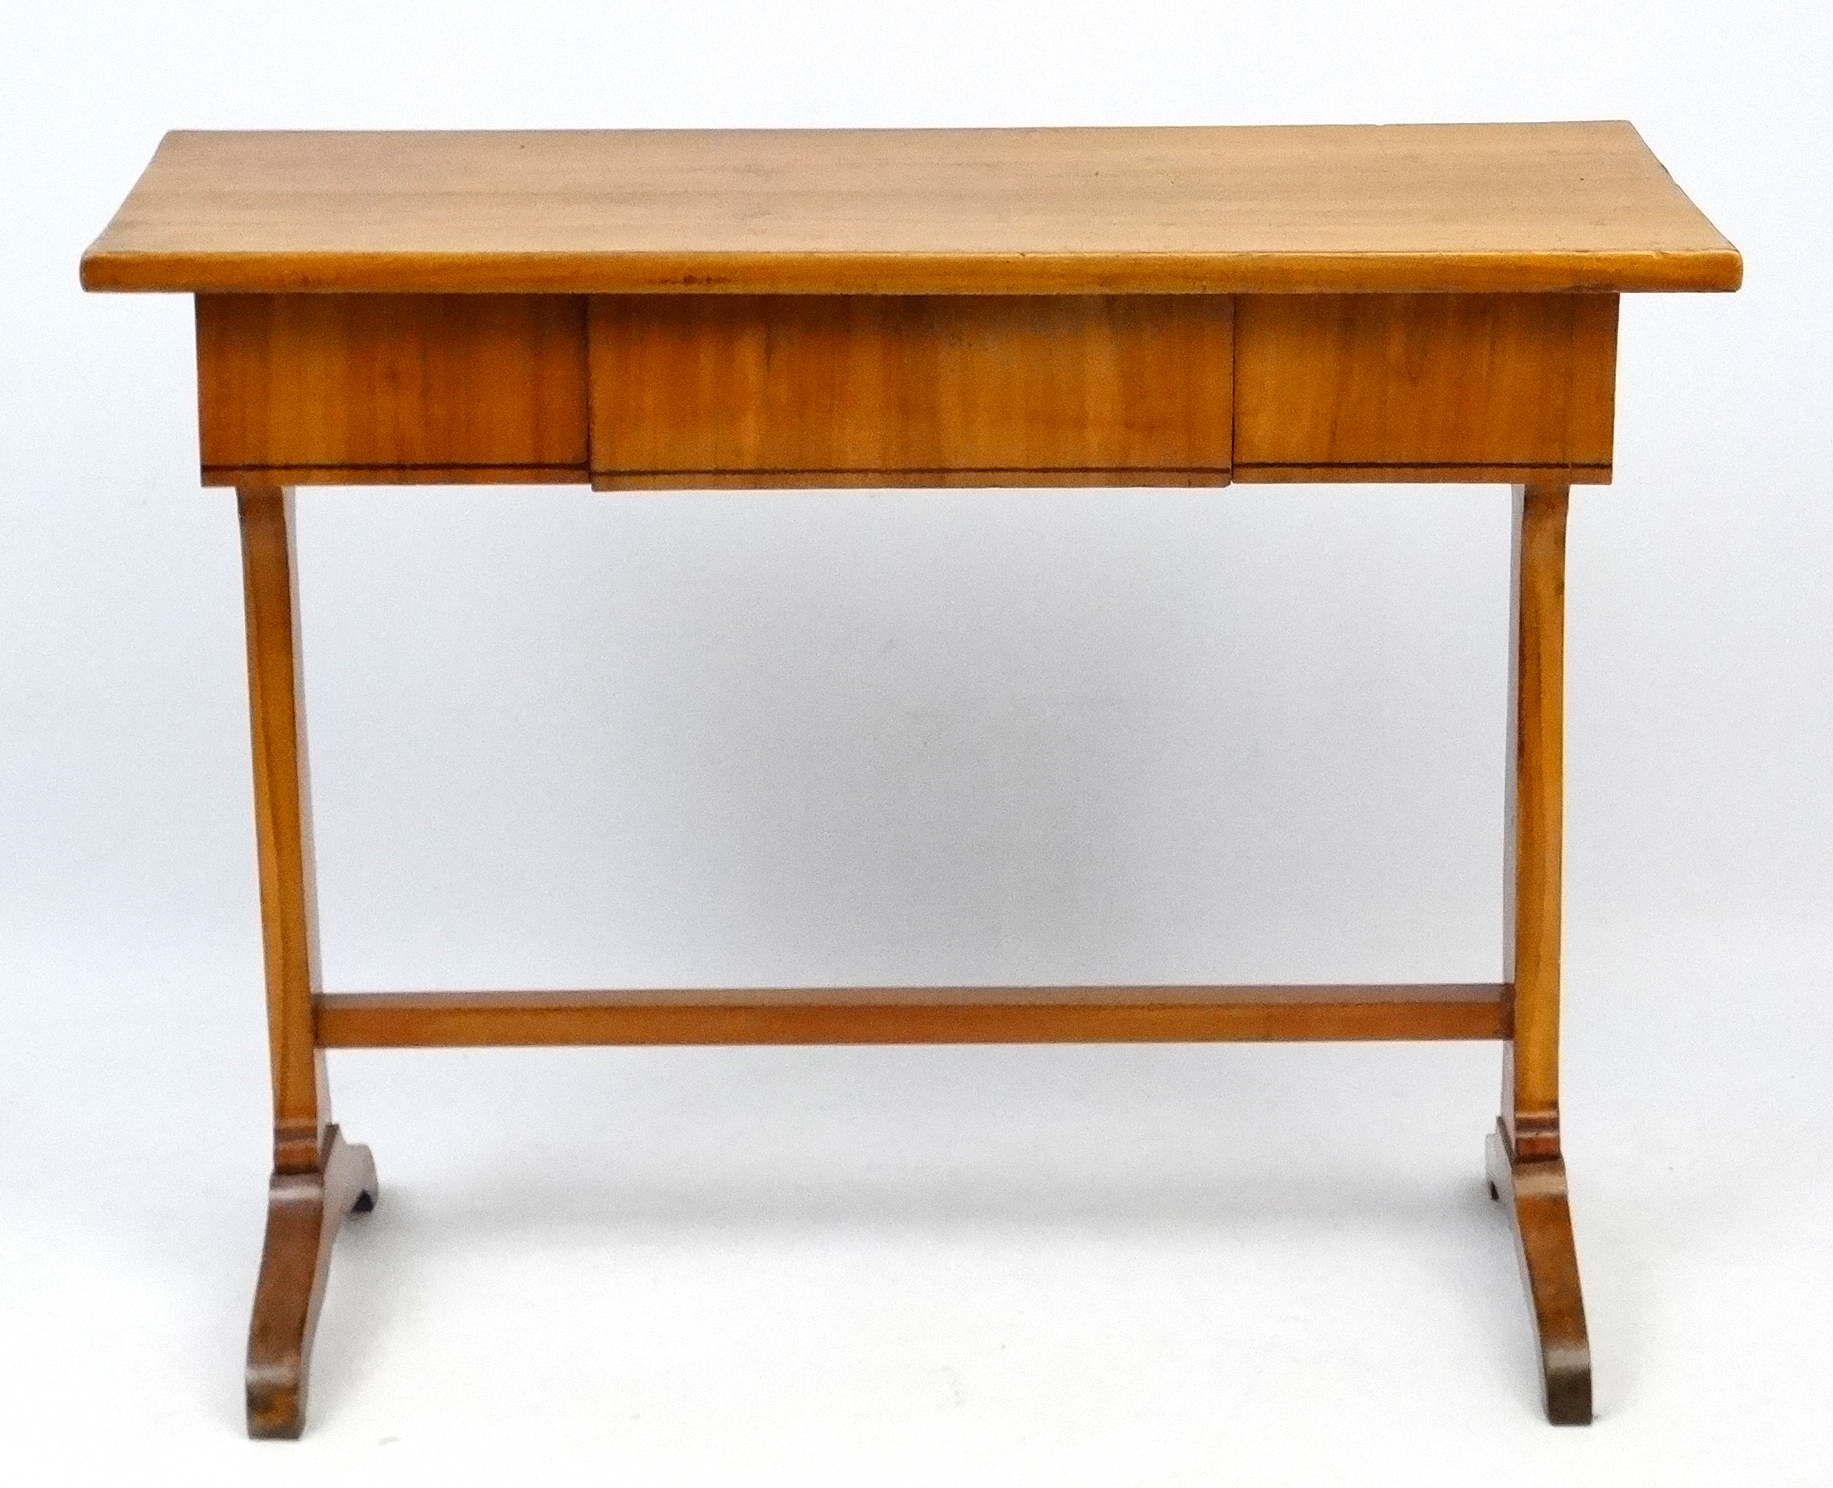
(715,391)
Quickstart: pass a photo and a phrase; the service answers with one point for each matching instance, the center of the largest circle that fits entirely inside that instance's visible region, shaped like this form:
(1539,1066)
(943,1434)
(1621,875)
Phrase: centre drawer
(975,390)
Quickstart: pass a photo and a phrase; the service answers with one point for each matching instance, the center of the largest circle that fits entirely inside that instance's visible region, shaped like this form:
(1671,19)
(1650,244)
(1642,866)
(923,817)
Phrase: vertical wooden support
(283,827)
(1526,1168)
(317,1178)
(1535,844)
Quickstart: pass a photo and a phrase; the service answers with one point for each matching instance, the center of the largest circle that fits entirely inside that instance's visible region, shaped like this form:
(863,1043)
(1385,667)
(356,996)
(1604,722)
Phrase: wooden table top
(1462,207)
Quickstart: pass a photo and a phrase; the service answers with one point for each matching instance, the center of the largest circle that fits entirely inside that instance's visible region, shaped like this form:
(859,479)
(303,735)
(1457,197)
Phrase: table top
(1458,207)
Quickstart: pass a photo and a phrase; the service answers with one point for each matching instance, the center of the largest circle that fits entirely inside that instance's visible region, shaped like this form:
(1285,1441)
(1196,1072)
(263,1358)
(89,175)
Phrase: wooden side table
(1148,307)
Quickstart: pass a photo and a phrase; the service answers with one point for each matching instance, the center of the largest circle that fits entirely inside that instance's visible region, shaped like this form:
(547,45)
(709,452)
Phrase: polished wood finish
(283,827)
(941,308)
(899,389)
(1534,1194)
(1526,1168)
(911,1015)
(354,389)
(317,1179)
(1475,208)
(1535,794)
(717,391)
(304,1213)
(966,478)
(1436,475)
(1389,386)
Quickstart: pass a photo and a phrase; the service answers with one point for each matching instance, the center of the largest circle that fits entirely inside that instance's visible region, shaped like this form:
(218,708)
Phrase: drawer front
(809,390)
(1449,387)
(355,389)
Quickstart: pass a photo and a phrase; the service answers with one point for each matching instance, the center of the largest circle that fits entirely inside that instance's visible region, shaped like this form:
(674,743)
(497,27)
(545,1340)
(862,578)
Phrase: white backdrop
(1254,734)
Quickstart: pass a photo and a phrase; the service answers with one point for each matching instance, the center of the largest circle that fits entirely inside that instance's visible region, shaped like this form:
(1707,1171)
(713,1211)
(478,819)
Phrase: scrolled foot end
(276,1411)
(304,1213)
(1534,1194)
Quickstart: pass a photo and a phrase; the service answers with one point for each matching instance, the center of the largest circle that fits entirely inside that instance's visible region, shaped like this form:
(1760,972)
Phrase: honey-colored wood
(316,1177)
(1465,207)
(1444,475)
(950,307)
(283,827)
(395,475)
(304,1213)
(1534,1194)
(1526,1168)
(941,480)
(1535,795)
(1379,386)
(360,389)
(802,389)
(911,1015)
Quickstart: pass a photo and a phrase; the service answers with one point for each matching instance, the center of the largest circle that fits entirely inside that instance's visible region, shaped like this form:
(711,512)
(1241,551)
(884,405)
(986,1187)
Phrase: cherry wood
(354,389)
(316,1178)
(1404,386)
(911,1015)
(946,307)
(1438,475)
(304,1213)
(1526,1167)
(283,826)
(898,389)
(1465,207)
(1533,1192)
(959,478)
(1534,846)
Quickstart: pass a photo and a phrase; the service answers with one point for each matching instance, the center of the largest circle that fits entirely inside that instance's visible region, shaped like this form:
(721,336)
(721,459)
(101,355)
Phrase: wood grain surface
(305,1210)
(913,1015)
(796,390)
(382,388)
(1487,383)
(283,827)
(916,307)
(1471,207)
(1535,845)
(1534,1194)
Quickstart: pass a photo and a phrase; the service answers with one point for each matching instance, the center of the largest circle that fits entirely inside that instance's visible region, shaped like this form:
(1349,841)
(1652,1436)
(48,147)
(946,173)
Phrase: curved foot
(304,1211)
(1535,1195)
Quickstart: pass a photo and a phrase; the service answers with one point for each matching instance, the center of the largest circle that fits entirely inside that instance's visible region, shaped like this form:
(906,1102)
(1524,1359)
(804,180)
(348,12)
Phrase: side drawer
(358,388)
(969,390)
(1425,387)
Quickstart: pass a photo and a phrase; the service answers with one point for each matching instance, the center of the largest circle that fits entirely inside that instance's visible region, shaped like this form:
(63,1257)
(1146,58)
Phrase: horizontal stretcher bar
(915,1015)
